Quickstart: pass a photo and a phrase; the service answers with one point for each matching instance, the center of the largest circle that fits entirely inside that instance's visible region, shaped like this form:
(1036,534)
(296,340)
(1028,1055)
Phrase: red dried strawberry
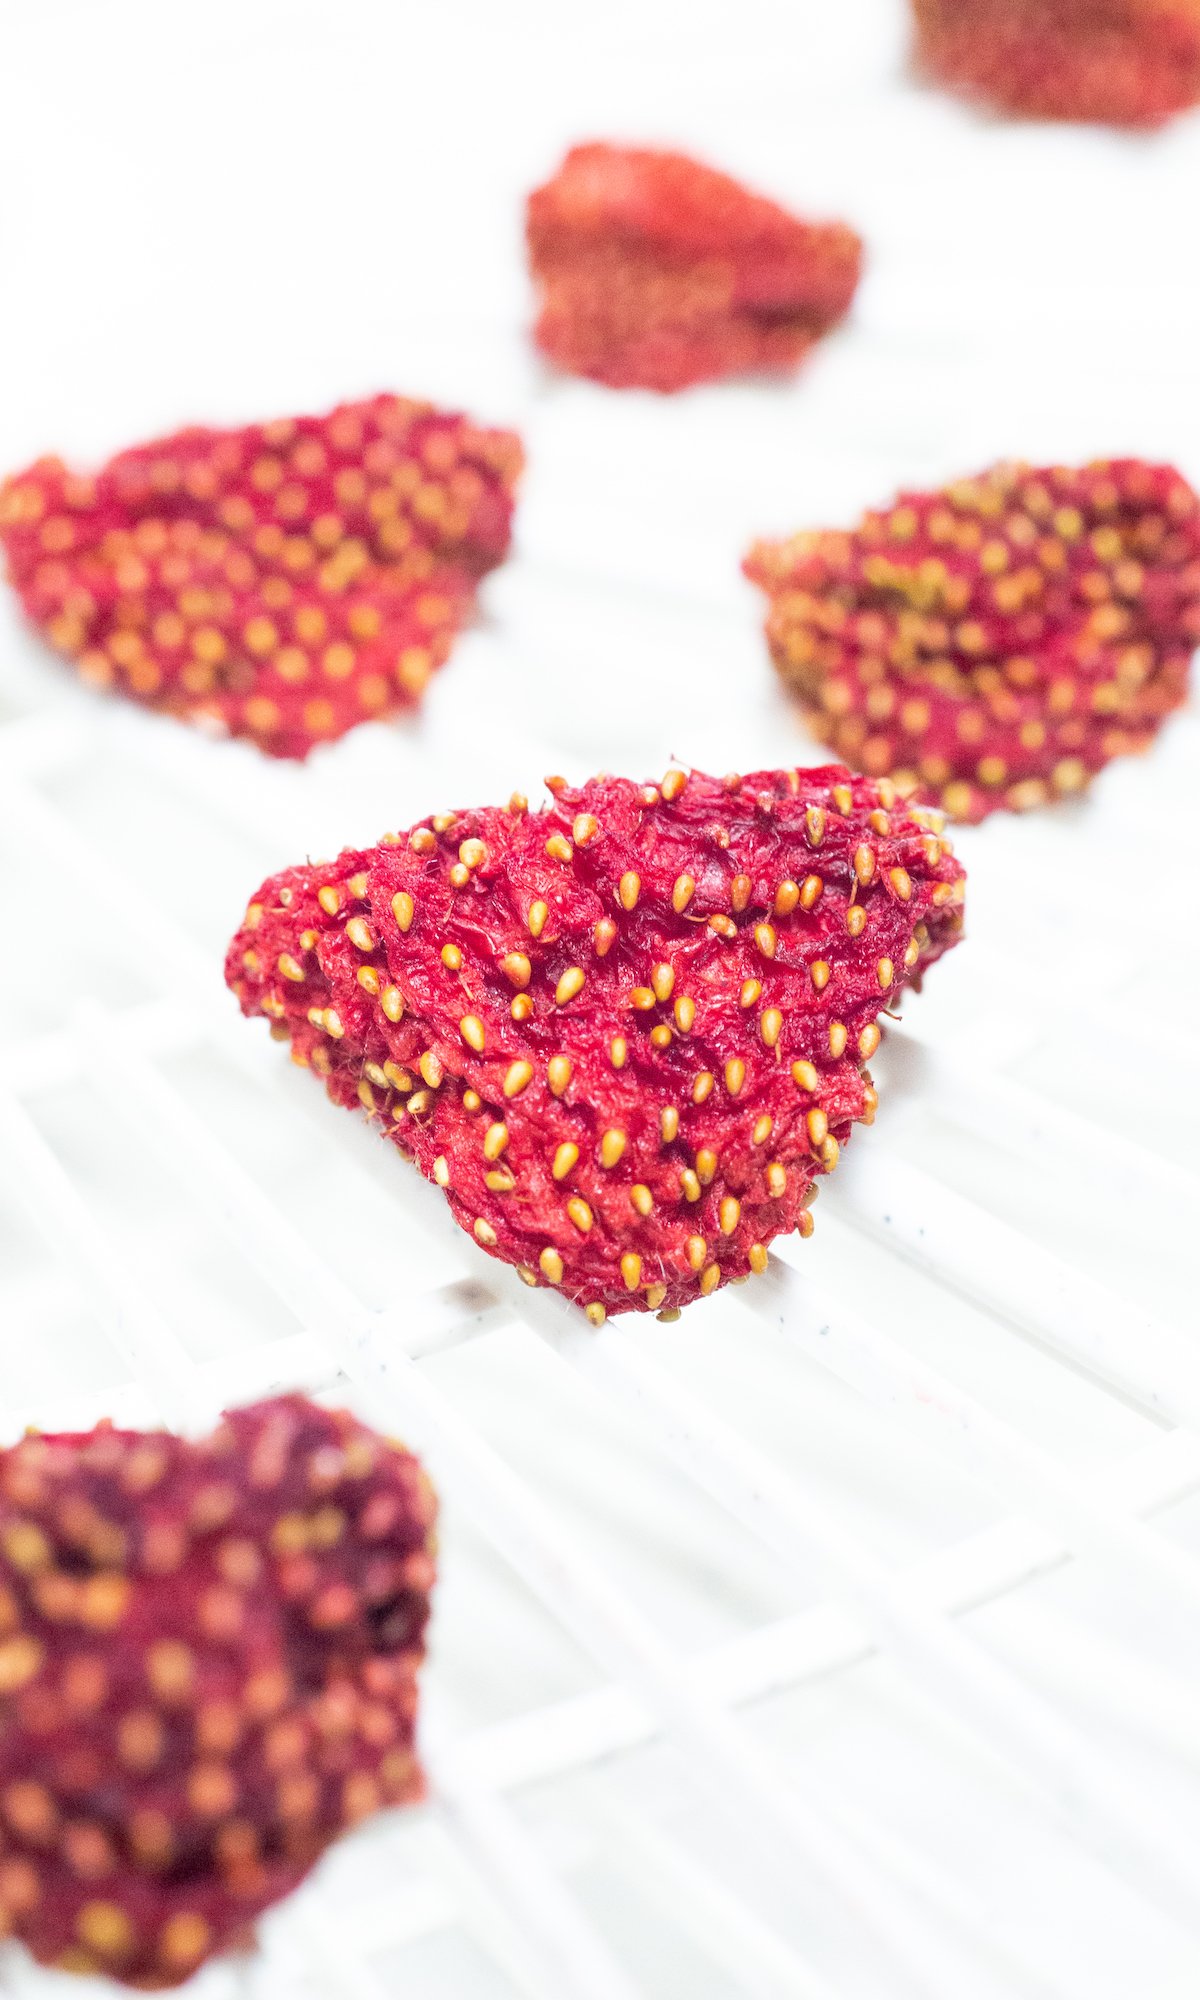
(1120,62)
(207,1673)
(283,582)
(996,643)
(656,272)
(625,1034)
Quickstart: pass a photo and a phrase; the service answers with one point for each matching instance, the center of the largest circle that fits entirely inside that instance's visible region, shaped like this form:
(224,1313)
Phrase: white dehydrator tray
(840,1641)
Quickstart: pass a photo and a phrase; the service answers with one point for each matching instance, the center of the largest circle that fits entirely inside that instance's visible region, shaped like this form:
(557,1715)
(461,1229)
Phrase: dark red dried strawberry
(283,582)
(208,1659)
(996,643)
(656,272)
(626,1034)
(1119,62)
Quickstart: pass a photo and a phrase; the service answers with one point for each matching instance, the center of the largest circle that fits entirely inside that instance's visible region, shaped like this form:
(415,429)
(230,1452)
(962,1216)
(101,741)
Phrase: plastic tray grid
(898,1911)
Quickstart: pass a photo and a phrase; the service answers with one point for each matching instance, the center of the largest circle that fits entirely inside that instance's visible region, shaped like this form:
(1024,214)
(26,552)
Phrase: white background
(223,212)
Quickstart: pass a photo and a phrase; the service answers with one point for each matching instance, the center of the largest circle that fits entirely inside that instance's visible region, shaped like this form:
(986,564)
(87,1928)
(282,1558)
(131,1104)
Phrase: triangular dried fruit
(282,582)
(995,643)
(656,272)
(208,1660)
(626,1033)
(1117,62)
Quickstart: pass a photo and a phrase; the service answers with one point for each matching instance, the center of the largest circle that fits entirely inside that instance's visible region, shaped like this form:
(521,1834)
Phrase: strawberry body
(207,1673)
(656,271)
(282,582)
(1117,62)
(995,643)
(626,1034)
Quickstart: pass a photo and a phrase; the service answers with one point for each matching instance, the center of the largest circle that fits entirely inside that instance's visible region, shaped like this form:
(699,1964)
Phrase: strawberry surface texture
(282,582)
(626,1033)
(207,1673)
(997,642)
(1114,62)
(656,272)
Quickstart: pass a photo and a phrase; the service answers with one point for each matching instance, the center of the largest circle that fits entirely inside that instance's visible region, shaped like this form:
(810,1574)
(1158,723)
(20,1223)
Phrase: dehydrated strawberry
(283,582)
(656,272)
(995,643)
(626,1034)
(1119,62)
(208,1658)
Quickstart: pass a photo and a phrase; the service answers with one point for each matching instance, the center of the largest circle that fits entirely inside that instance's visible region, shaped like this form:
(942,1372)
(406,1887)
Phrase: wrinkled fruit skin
(997,643)
(207,1673)
(282,582)
(626,1034)
(656,272)
(1117,62)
